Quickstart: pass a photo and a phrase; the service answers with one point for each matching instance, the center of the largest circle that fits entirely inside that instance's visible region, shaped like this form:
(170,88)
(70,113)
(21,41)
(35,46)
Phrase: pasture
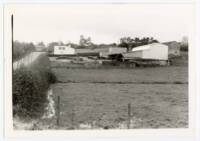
(98,98)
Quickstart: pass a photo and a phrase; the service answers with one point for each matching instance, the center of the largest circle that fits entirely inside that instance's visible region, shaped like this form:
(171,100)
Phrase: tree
(152,40)
(130,43)
(184,43)
(126,42)
(51,45)
(41,44)
(20,49)
(85,42)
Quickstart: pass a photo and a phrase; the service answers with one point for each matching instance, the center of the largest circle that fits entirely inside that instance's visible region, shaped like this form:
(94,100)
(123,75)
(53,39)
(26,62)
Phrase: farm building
(86,52)
(112,51)
(64,50)
(173,48)
(117,50)
(155,51)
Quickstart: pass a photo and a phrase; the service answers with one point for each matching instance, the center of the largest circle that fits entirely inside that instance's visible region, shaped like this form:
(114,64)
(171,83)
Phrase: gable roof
(145,47)
(170,42)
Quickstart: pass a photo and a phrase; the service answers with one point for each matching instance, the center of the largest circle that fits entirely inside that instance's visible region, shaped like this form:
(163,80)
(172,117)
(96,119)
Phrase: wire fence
(58,120)
(73,115)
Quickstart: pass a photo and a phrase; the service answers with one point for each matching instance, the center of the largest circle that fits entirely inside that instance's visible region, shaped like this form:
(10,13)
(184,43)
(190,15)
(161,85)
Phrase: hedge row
(30,85)
(21,49)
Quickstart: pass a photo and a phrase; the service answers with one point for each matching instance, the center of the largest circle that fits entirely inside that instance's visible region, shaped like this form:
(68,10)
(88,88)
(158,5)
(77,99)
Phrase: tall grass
(30,85)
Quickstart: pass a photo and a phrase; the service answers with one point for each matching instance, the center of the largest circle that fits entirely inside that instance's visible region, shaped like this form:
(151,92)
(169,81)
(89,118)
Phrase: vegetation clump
(30,85)
(21,49)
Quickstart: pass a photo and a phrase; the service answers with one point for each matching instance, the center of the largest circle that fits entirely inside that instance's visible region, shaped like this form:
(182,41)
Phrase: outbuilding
(154,51)
(174,48)
(64,50)
(112,51)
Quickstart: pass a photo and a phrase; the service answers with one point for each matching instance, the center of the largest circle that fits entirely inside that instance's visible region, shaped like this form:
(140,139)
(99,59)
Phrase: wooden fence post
(58,111)
(129,116)
(72,117)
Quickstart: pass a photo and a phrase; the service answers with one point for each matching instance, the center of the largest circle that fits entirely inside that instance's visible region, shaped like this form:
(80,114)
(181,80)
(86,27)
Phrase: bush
(184,47)
(29,93)
(51,77)
(30,87)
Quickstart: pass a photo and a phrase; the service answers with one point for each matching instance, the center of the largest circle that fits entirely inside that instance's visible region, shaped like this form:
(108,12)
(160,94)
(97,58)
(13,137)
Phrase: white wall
(156,51)
(63,50)
(135,54)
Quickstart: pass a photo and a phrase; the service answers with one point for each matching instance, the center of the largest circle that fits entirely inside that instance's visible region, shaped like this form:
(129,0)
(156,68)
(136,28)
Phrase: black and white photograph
(99,66)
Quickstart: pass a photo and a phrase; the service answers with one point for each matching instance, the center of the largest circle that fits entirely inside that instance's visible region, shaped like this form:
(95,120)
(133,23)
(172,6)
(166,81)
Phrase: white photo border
(189,133)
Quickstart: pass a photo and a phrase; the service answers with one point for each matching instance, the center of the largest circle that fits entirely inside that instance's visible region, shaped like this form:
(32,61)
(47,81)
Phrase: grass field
(156,74)
(153,105)
(98,98)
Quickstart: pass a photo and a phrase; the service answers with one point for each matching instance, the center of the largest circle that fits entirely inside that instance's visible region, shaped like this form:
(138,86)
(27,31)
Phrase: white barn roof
(140,48)
(155,51)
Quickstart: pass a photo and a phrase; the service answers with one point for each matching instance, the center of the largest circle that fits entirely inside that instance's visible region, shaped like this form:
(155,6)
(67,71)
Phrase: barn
(174,48)
(86,52)
(117,50)
(64,50)
(112,51)
(154,51)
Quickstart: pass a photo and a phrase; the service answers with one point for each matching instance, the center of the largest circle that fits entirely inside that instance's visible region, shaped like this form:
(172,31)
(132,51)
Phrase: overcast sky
(103,23)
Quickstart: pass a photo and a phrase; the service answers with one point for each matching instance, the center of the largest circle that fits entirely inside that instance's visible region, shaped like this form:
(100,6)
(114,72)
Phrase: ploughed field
(98,98)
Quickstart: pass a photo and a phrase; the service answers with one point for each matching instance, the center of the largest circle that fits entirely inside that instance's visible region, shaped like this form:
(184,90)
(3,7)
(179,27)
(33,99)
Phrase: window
(61,48)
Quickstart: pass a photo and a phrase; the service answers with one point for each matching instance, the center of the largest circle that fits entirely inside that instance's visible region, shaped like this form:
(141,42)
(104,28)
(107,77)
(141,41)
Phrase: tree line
(126,42)
(21,48)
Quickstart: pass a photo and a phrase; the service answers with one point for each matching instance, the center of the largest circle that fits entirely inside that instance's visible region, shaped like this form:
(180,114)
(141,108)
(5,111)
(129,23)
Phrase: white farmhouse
(154,51)
(64,50)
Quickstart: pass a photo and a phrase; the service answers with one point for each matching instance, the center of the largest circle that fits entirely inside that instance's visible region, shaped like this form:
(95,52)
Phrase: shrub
(29,93)
(30,85)
(184,47)
(51,77)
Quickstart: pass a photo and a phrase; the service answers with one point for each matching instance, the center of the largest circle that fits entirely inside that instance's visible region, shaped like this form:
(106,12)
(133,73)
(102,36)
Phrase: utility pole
(12,38)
